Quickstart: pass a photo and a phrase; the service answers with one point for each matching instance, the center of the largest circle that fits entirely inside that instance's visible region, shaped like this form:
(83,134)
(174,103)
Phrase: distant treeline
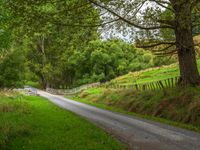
(98,61)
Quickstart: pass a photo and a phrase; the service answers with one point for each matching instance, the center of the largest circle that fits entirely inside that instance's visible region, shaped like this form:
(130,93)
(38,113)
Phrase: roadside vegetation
(178,106)
(31,122)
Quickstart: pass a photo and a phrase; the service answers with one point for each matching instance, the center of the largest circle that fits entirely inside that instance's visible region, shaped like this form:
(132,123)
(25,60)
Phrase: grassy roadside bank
(177,107)
(31,122)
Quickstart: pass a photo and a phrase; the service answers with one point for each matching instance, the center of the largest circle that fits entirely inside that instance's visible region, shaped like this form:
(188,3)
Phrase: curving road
(139,134)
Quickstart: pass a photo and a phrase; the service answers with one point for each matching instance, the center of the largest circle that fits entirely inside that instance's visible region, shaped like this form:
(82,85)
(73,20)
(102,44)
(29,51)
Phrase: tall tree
(51,31)
(145,15)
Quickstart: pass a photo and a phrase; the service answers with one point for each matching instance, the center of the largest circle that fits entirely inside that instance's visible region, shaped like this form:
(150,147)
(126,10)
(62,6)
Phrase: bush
(12,69)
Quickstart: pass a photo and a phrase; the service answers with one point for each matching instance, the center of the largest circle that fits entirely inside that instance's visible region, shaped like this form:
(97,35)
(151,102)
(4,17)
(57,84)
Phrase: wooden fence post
(136,86)
(161,84)
(168,81)
(172,82)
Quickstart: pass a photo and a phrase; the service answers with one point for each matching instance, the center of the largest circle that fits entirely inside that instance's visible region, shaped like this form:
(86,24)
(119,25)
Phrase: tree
(180,22)
(12,68)
(49,29)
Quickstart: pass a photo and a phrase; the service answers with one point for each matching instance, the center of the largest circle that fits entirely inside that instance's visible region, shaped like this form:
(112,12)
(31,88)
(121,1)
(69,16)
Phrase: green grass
(149,75)
(174,107)
(32,123)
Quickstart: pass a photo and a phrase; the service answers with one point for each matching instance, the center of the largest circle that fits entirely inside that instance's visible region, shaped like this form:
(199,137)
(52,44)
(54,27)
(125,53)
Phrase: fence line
(161,84)
(157,85)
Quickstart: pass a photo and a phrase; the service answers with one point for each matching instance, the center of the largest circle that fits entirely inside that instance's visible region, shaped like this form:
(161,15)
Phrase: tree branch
(157,44)
(162,4)
(128,21)
(164,49)
(168,22)
(86,25)
(167,53)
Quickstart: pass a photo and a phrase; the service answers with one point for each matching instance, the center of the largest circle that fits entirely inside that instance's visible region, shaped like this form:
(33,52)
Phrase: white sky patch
(130,34)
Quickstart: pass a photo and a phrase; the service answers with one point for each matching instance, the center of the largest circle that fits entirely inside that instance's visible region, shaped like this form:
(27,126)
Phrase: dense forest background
(61,67)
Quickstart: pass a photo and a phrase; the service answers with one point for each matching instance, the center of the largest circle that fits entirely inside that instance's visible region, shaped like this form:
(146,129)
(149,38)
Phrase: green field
(33,123)
(149,75)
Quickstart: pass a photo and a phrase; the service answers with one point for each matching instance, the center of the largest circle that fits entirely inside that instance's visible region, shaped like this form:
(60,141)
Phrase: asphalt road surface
(137,133)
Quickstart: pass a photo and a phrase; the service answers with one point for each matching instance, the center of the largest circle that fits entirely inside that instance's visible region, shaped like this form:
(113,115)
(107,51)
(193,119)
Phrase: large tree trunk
(189,74)
(44,76)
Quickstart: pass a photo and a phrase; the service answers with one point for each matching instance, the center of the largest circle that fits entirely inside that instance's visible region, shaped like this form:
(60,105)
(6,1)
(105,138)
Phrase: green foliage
(33,84)
(12,69)
(104,60)
(123,58)
(5,33)
(89,62)
(65,50)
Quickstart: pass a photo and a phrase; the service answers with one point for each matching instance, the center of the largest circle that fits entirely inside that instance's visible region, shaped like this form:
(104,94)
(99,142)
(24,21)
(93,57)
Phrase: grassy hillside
(153,74)
(33,123)
(149,75)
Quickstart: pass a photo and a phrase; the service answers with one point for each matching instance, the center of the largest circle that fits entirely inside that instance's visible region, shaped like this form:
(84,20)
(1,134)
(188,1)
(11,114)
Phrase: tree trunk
(43,82)
(189,74)
(41,49)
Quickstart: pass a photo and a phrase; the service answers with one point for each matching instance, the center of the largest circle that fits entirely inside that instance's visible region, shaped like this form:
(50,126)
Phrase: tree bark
(189,74)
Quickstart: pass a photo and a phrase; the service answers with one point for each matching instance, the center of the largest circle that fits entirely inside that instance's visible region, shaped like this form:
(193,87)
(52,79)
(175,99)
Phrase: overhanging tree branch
(168,22)
(156,44)
(164,49)
(128,21)
(86,25)
(162,4)
(167,53)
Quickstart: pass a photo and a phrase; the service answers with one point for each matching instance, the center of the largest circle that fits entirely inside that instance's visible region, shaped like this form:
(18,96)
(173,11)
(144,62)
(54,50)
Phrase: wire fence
(156,85)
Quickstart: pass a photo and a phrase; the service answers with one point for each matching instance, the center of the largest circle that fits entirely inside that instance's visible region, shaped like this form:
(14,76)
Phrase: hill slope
(154,74)
(149,75)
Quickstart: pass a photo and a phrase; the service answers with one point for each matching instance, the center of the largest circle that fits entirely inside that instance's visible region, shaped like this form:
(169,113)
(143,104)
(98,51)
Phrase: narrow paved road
(139,134)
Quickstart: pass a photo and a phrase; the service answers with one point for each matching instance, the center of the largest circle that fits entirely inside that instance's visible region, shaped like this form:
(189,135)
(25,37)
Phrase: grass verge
(31,122)
(177,107)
